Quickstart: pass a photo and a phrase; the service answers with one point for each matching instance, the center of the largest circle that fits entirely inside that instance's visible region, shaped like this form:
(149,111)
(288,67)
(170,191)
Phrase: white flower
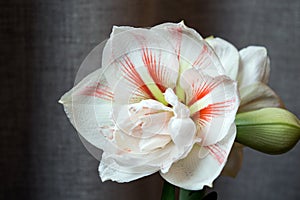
(250,67)
(160,102)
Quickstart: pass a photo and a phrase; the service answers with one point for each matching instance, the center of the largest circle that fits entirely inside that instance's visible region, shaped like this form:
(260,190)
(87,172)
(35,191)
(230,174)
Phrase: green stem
(191,195)
(168,192)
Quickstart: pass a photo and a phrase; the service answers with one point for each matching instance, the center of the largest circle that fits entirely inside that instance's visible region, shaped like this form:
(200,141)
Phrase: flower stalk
(169,193)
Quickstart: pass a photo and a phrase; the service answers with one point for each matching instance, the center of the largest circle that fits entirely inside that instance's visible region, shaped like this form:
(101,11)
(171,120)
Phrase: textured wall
(42,44)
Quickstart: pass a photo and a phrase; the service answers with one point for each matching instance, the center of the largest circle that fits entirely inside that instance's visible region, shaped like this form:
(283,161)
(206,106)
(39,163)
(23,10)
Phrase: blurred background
(42,44)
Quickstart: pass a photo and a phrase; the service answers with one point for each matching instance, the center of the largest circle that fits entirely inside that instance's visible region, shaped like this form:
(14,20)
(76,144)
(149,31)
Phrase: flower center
(181,127)
(180,110)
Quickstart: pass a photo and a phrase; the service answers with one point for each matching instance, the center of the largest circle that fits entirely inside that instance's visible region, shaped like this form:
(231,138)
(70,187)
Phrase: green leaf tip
(268,130)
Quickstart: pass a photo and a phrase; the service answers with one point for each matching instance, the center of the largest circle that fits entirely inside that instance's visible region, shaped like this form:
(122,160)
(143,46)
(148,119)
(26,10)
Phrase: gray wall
(42,44)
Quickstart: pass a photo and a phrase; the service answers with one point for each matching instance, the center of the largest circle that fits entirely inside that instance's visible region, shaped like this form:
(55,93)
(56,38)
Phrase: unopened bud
(269,130)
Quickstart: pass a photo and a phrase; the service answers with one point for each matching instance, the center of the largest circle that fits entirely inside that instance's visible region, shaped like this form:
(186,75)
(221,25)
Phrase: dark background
(42,44)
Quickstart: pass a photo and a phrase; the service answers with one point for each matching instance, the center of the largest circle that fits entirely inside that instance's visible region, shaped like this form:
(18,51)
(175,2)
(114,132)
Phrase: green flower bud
(269,130)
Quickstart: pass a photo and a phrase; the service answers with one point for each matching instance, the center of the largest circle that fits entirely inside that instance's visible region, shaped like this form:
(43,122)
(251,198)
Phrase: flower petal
(141,57)
(119,29)
(154,143)
(254,66)
(111,171)
(193,173)
(257,96)
(228,55)
(191,49)
(213,104)
(130,165)
(234,162)
(144,119)
(181,127)
(188,31)
(182,132)
(88,106)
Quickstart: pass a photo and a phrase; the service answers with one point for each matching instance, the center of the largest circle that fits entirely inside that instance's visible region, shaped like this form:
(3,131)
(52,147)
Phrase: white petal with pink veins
(140,53)
(193,173)
(192,50)
(213,104)
(88,106)
(197,85)
(188,31)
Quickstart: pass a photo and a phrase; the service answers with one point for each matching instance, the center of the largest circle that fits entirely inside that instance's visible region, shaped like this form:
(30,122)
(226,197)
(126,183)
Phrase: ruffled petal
(254,66)
(182,133)
(193,173)
(144,119)
(154,143)
(257,96)
(181,127)
(235,160)
(128,165)
(228,55)
(191,49)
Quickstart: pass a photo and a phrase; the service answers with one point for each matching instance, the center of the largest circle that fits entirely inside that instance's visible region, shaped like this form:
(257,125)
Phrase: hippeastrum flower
(160,101)
(250,67)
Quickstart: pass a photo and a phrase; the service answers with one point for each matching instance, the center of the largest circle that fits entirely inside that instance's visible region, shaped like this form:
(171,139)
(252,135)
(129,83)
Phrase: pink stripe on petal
(202,56)
(131,75)
(217,152)
(156,71)
(99,90)
(201,88)
(206,114)
(177,34)
(140,38)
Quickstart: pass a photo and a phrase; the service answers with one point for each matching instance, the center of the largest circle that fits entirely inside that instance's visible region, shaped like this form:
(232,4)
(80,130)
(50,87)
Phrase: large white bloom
(250,67)
(160,102)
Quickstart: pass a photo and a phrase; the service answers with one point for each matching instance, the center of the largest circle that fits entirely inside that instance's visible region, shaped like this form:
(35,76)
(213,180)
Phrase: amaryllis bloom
(250,67)
(160,102)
